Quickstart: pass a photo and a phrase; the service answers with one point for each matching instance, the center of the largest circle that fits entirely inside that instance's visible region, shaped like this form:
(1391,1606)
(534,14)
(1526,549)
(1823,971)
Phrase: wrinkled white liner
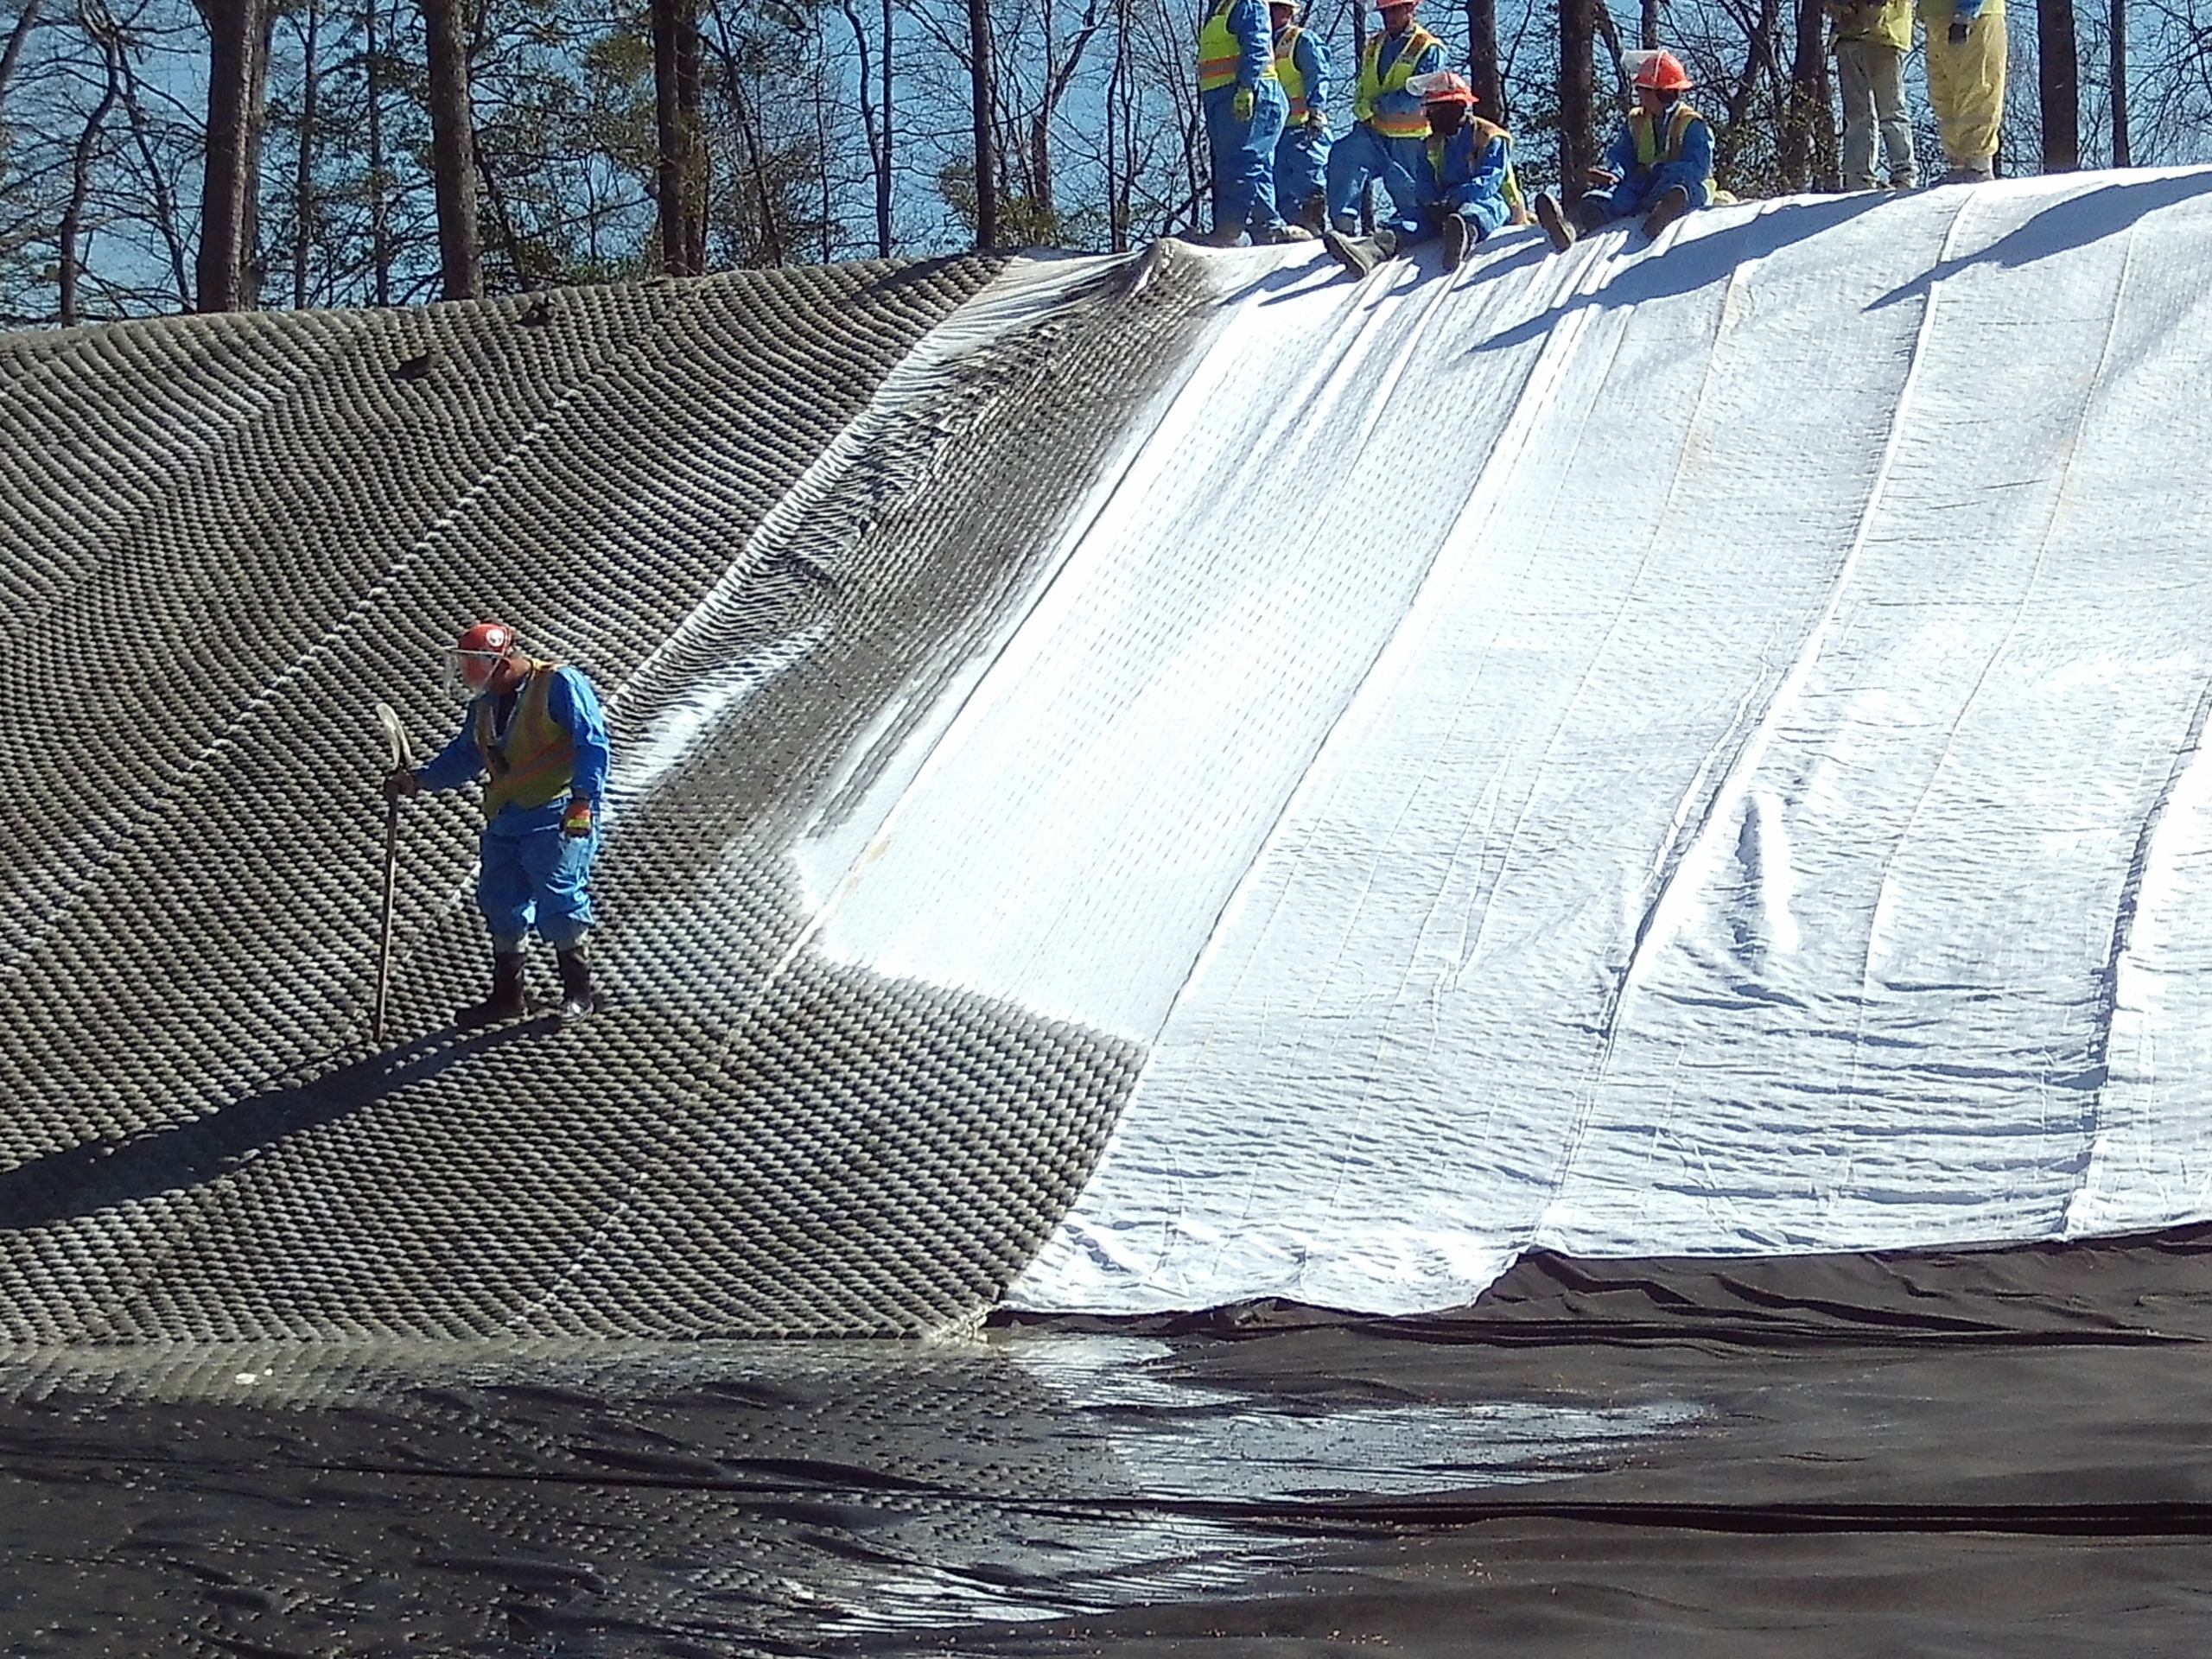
(1689,750)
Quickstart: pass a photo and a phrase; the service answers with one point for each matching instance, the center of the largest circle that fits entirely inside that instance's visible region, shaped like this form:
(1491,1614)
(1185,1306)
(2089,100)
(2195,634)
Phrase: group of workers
(1447,172)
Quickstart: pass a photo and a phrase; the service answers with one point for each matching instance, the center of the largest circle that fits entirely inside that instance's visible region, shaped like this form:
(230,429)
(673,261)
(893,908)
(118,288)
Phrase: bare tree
(676,122)
(1578,138)
(92,18)
(453,150)
(2058,85)
(234,58)
(980,90)
(2121,151)
(1482,59)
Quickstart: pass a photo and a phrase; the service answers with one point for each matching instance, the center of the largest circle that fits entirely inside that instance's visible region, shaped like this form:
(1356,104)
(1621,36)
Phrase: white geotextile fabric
(1676,751)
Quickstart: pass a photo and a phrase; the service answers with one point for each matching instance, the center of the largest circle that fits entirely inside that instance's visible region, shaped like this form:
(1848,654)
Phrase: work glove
(575,821)
(399,784)
(1958,36)
(1241,105)
(1315,122)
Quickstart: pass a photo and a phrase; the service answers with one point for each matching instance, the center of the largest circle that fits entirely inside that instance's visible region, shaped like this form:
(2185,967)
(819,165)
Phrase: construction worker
(533,729)
(1388,125)
(1966,82)
(1245,110)
(1459,191)
(1302,152)
(1872,37)
(1661,160)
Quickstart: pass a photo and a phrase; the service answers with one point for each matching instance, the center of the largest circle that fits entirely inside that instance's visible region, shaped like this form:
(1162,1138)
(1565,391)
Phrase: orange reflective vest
(534,760)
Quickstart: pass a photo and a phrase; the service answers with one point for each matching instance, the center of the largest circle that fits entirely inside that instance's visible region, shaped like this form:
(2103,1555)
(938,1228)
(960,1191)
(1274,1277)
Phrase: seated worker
(1386,130)
(1459,187)
(1661,160)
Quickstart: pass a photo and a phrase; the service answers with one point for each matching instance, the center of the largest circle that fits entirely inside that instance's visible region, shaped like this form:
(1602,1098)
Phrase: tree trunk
(1482,59)
(1647,34)
(981,89)
(2122,156)
(675,129)
(13,53)
(303,198)
(453,146)
(251,263)
(233,36)
(883,179)
(379,204)
(1577,140)
(1807,107)
(2058,85)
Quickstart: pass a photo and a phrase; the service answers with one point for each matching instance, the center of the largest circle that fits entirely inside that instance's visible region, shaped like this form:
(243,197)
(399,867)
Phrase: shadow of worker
(96,1175)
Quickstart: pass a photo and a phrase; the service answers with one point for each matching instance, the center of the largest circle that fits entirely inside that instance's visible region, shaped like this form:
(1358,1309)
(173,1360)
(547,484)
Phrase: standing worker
(1872,37)
(1461,190)
(1244,109)
(533,731)
(1302,152)
(1661,159)
(1388,126)
(1966,82)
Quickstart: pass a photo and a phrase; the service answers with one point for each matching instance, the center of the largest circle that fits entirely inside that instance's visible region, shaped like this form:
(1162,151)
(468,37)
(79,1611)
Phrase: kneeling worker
(533,730)
(1661,159)
(1462,186)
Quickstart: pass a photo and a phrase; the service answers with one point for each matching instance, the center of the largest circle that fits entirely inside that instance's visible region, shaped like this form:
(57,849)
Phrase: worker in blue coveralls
(1388,126)
(1302,152)
(1245,110)
(1462,190)
(1661,160)
(533,731)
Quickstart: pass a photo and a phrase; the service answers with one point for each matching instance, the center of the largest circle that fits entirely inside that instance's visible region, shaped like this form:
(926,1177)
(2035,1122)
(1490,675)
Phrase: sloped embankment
(765,511)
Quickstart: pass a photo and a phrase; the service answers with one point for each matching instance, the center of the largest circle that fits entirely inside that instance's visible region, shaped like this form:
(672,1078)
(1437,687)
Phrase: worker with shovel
(534,733)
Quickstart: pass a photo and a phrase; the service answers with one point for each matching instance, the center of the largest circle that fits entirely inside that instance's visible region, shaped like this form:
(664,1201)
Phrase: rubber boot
(508,1000)
(577,997)
(1673,203)
(1555,222)
(1458,237)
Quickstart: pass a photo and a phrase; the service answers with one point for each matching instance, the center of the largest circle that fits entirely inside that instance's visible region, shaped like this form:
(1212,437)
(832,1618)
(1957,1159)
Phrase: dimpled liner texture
(226,538)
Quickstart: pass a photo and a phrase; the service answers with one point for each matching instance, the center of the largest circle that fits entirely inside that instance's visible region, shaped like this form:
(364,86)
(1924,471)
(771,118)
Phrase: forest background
(164,156)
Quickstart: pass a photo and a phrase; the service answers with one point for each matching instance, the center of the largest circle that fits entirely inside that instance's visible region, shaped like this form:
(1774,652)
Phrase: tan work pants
(1966,87)
(1872,75)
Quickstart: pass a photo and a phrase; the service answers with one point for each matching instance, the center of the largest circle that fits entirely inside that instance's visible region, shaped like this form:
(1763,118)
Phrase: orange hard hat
(1659,72)
(1442,86)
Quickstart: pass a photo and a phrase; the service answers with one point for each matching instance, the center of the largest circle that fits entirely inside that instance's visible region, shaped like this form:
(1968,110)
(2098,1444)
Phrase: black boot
(508,1000)
(577,997)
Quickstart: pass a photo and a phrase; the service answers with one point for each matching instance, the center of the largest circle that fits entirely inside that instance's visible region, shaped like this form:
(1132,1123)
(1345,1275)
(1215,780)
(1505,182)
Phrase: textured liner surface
(224,539)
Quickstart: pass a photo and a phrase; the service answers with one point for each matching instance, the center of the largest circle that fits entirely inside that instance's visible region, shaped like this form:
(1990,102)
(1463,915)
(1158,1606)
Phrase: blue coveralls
(1363,154)
(1302,155)
(1639,185)
(1244,151)
(1467,178)
(532,869)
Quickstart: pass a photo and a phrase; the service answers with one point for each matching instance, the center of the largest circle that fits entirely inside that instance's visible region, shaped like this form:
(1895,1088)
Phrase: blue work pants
(541,874)
(1244,156)
(1363,155)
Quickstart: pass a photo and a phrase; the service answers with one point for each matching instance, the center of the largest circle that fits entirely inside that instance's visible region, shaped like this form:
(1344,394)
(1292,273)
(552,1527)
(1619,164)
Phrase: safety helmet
(1659,71)
(1442,86)
(1385,5)
(481,647)
(1295,8)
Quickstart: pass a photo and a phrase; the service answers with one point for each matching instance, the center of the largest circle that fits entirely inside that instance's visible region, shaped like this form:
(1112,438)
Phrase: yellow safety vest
(1219,52)
(1647,153)
(1287,71)
(1888,23)
(535,761)
(1373,84)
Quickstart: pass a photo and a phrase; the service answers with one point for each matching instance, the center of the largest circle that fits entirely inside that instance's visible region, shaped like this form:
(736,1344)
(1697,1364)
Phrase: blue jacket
(570,700)
(1690,170)
(1256,41)
(1471,169)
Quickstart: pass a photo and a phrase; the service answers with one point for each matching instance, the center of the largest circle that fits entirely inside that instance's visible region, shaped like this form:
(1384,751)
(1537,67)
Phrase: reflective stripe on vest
(1219,52)
(1373,83)
(1287,71)
(1647,152)
(534,763)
